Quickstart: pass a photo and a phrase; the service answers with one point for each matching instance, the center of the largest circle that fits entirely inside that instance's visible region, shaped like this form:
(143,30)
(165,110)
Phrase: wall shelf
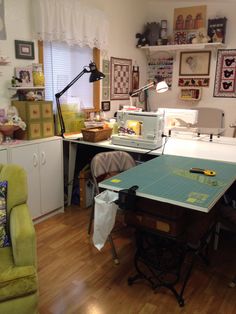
(20,92)
(190,93)
(26,88)
(175,48)
(4,62)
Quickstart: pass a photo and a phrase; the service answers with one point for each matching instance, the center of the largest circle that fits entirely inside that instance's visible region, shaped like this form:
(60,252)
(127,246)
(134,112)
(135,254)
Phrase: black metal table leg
(159,260)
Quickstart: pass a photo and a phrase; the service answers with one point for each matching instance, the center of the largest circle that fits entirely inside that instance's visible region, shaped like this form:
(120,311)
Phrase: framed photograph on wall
(121,78)
(105,105)
(24,49)
(195,63)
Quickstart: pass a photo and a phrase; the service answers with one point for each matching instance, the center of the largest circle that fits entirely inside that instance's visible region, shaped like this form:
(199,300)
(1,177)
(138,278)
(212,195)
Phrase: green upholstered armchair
(18,275)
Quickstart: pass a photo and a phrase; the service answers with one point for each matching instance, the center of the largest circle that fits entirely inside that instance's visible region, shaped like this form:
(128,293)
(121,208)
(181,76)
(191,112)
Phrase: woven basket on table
(96,134)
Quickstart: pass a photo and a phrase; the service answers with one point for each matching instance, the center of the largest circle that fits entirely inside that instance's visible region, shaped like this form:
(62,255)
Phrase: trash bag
(104,216)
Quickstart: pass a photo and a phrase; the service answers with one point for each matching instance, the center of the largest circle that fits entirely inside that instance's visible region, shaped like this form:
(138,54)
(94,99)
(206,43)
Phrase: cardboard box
(86,187)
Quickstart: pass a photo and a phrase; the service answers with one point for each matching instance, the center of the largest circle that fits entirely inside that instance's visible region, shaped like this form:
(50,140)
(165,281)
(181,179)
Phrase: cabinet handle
(43,158)
(35,160)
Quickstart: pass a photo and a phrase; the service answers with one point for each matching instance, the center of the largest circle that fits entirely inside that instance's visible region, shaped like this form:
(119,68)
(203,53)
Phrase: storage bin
(96,134)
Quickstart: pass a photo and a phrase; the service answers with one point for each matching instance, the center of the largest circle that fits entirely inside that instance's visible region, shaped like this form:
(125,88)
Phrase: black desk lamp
(161,87)
(94,76)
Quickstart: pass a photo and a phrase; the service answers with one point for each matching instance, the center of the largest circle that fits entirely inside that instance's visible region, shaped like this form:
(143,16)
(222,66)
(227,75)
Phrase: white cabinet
(3,156)
(43,163)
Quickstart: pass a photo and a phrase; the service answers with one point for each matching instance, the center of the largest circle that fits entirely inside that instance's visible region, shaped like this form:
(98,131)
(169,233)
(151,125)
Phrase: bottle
(114,126)
(38,76)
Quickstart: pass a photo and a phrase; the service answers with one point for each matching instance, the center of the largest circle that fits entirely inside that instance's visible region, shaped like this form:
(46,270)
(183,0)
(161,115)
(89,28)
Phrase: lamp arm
(141,89)
(59,94)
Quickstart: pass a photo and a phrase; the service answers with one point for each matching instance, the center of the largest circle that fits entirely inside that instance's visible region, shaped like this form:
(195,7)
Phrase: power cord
(166,140)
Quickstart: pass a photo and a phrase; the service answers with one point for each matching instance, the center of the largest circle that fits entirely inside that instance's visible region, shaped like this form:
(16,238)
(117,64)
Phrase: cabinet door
(3,156)
(27,157)
(51,175)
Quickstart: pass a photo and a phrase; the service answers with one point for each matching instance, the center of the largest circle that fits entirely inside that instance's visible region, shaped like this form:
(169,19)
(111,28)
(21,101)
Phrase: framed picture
(189,18)
(25,75)
(225,77)
(216,29)
(194,81)
(195,63)
(24,49)
(135,78)
(106,106)
(121,78)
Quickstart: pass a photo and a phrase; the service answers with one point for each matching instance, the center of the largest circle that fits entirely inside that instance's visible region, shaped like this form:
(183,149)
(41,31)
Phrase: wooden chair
(103,166)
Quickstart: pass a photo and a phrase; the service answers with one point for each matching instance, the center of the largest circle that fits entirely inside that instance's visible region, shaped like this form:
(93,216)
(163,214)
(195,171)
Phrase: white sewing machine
(139,129)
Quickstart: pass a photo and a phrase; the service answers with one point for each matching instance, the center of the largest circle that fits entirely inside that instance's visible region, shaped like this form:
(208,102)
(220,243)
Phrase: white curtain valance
(70,21)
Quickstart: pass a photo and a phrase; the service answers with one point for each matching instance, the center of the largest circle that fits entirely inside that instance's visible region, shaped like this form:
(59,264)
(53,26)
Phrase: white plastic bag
(104,217)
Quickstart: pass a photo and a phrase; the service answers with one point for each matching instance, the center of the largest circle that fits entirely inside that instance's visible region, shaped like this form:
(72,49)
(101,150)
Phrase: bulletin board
(161,67)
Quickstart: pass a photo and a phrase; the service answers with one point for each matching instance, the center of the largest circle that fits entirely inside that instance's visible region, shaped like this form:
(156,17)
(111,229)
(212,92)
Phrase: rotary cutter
(206,172)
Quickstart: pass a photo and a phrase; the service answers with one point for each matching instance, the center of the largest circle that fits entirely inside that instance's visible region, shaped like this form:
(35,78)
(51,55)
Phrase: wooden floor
(76,278)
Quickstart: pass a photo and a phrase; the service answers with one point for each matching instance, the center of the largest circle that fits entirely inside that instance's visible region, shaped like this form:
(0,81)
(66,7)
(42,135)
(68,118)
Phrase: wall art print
(195,63)
(194,81)
(190,18)
(225,74)
(106,80)
(2,21)
(121,78)
(24,49)
(216,29)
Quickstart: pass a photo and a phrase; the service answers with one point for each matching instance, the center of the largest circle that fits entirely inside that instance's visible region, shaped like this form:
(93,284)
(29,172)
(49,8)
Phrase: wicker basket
(96,134)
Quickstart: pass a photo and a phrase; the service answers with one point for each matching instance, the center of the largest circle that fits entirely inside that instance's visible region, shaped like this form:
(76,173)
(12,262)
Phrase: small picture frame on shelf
(105,105)
(216,30)
(24,49)
(25,76)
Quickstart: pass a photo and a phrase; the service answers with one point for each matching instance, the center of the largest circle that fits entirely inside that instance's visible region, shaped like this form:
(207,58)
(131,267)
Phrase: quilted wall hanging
(225,85)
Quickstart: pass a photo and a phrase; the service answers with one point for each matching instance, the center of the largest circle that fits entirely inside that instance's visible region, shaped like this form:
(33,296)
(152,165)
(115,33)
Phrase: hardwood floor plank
(74,277)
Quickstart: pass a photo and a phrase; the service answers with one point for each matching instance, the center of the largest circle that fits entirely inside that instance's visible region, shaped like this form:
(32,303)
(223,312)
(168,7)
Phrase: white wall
(126,18)
(164,9)
(18,26)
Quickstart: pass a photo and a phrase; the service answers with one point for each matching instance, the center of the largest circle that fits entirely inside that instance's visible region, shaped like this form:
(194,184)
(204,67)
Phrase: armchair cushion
(22,236)
(15,281)
(4,241)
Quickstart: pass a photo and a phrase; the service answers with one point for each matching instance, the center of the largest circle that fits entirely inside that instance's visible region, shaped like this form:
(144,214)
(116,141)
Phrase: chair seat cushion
(15,281)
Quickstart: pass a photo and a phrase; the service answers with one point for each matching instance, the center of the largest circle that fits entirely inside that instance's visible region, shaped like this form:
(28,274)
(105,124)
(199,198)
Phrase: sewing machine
(139,129)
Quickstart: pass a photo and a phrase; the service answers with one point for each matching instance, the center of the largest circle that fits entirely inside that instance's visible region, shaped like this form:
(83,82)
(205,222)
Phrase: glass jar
(38,76)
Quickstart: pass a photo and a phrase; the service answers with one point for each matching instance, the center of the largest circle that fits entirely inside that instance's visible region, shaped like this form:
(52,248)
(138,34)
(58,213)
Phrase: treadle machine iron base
(160,260)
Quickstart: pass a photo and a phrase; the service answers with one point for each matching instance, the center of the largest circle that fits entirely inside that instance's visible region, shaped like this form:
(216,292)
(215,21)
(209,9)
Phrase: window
(62,63)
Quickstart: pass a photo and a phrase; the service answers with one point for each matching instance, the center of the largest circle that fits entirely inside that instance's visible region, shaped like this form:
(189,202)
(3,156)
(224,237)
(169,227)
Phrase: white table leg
(71,169)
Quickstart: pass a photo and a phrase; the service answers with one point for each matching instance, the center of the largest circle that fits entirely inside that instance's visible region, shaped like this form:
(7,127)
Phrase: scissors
(206,172)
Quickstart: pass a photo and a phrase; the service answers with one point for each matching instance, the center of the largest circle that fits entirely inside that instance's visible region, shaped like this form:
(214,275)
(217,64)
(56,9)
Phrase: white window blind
(62,63)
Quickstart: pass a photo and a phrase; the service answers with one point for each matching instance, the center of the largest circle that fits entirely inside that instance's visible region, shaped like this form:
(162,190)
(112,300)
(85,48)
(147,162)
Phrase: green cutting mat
(167,178)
